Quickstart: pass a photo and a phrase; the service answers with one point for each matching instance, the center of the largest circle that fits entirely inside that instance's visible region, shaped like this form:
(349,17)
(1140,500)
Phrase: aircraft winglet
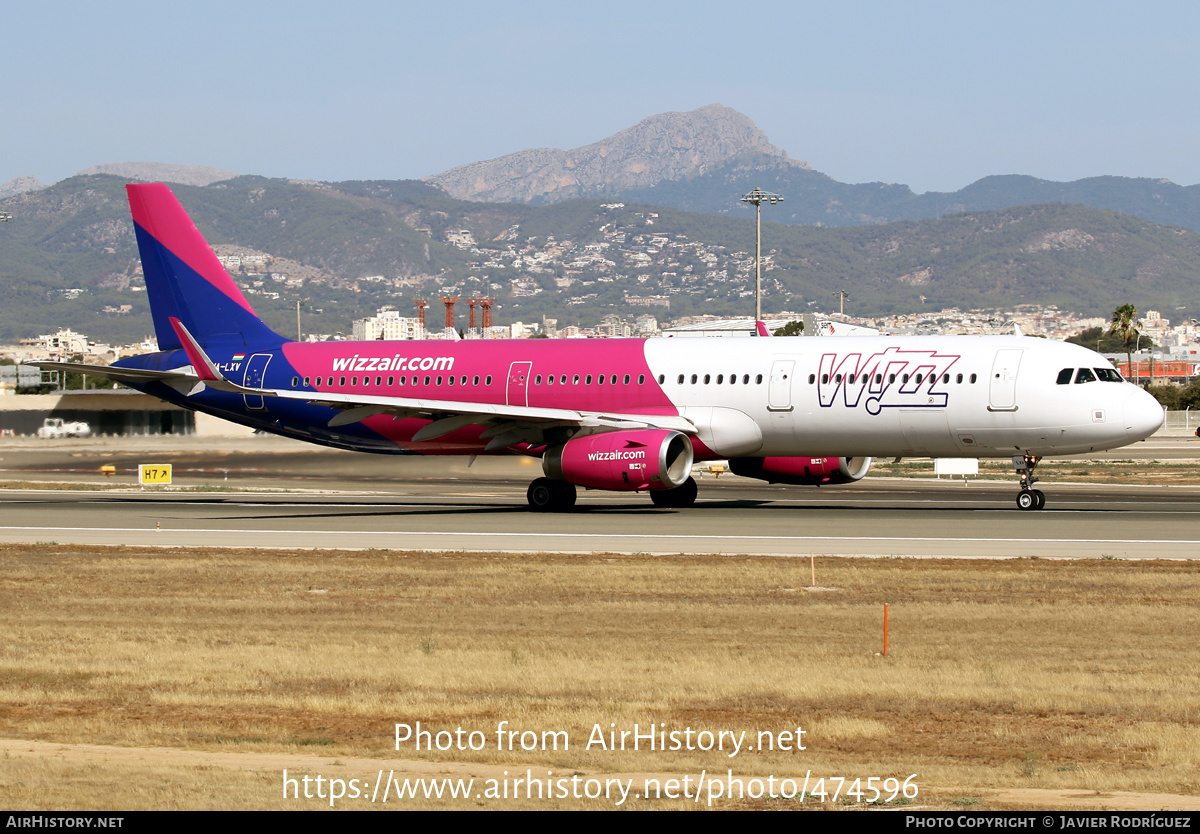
(761,328)
(205,369)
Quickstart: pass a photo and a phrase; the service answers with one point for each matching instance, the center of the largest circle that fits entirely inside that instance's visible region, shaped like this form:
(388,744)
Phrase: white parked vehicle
(53,427)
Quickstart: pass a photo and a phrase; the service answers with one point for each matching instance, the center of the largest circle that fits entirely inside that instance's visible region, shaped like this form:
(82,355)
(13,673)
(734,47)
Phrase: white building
(388,325)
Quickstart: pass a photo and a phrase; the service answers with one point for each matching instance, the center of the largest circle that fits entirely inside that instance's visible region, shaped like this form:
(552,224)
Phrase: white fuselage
(994,396)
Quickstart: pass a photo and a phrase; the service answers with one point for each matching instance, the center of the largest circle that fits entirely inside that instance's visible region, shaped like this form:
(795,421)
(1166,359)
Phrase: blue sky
(931,94)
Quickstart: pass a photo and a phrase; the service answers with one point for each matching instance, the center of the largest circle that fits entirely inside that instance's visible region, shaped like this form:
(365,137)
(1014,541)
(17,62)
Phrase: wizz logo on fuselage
(888,379)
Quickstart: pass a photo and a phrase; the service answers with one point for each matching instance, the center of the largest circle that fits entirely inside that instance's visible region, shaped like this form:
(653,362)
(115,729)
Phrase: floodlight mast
(758,197)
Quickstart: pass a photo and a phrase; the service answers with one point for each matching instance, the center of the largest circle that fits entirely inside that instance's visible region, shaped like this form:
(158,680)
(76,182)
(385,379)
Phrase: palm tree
(1125,325)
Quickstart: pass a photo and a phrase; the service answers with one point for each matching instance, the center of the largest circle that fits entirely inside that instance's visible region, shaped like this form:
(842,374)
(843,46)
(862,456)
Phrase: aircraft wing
(503,422)
(182,379)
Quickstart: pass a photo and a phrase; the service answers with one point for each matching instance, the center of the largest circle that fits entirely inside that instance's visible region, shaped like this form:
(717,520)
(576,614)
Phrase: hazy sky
(931,94)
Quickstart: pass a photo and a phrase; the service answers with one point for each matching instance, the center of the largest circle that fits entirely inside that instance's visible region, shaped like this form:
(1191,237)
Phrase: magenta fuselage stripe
(444,359)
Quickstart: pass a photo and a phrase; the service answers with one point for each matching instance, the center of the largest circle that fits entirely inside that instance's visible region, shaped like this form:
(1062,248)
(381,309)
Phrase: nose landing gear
(1028,498)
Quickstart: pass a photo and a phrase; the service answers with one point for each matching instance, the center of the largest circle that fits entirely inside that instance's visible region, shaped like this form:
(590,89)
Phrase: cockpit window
(1084,375)
(1064,376)
(1108,375)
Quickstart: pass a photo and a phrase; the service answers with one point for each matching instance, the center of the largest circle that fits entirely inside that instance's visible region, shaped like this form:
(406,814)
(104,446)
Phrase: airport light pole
(757,197)
(842,296)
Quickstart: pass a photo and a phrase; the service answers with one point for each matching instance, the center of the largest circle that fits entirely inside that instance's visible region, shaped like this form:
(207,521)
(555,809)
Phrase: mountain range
(705,159)
(651,213)
(342,250)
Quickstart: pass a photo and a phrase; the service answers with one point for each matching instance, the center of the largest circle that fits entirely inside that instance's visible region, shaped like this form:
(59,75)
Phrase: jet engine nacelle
(622,460)
(802,471)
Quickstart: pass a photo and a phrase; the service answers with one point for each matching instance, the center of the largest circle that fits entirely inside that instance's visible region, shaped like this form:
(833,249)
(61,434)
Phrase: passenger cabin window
(1084,375)
(1064,376)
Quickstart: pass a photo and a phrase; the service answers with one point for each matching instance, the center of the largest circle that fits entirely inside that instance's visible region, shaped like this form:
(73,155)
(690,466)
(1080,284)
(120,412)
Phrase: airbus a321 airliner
(622,414)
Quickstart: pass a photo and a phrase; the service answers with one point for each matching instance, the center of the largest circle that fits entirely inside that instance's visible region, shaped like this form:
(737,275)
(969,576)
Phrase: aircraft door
(779,393)
(518,383)
(256,372)
(1002,393)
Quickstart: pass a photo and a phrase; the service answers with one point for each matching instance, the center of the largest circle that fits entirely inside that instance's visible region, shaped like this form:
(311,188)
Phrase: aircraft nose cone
(1143,415)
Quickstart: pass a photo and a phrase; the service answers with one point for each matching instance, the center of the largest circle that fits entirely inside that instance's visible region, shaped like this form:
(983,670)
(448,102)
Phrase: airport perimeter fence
(1186,421)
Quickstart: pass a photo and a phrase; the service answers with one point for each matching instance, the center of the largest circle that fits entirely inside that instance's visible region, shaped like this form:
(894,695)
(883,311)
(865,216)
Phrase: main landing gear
(547,496)
(1028,498)
(681,496)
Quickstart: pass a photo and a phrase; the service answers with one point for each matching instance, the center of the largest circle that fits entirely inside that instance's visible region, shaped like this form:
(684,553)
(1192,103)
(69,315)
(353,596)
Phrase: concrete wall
(107,412)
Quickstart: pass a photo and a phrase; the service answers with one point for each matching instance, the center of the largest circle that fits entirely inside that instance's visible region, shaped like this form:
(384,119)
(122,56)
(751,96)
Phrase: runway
(289,494)
(884,517)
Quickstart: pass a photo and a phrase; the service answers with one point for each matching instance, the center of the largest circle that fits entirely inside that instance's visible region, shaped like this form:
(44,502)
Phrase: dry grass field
(1002,679)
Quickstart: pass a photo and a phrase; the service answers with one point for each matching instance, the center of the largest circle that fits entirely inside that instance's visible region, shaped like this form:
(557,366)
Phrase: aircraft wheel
(565,495)
(1027,500)
(547,496)
(541,495)
(681,496)
(1041,498)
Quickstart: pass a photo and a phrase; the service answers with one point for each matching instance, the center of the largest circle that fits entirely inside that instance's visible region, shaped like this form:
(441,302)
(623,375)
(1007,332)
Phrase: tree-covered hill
(68,257)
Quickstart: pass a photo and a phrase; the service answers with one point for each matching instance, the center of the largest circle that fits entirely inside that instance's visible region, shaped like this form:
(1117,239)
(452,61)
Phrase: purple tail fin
(185,281)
